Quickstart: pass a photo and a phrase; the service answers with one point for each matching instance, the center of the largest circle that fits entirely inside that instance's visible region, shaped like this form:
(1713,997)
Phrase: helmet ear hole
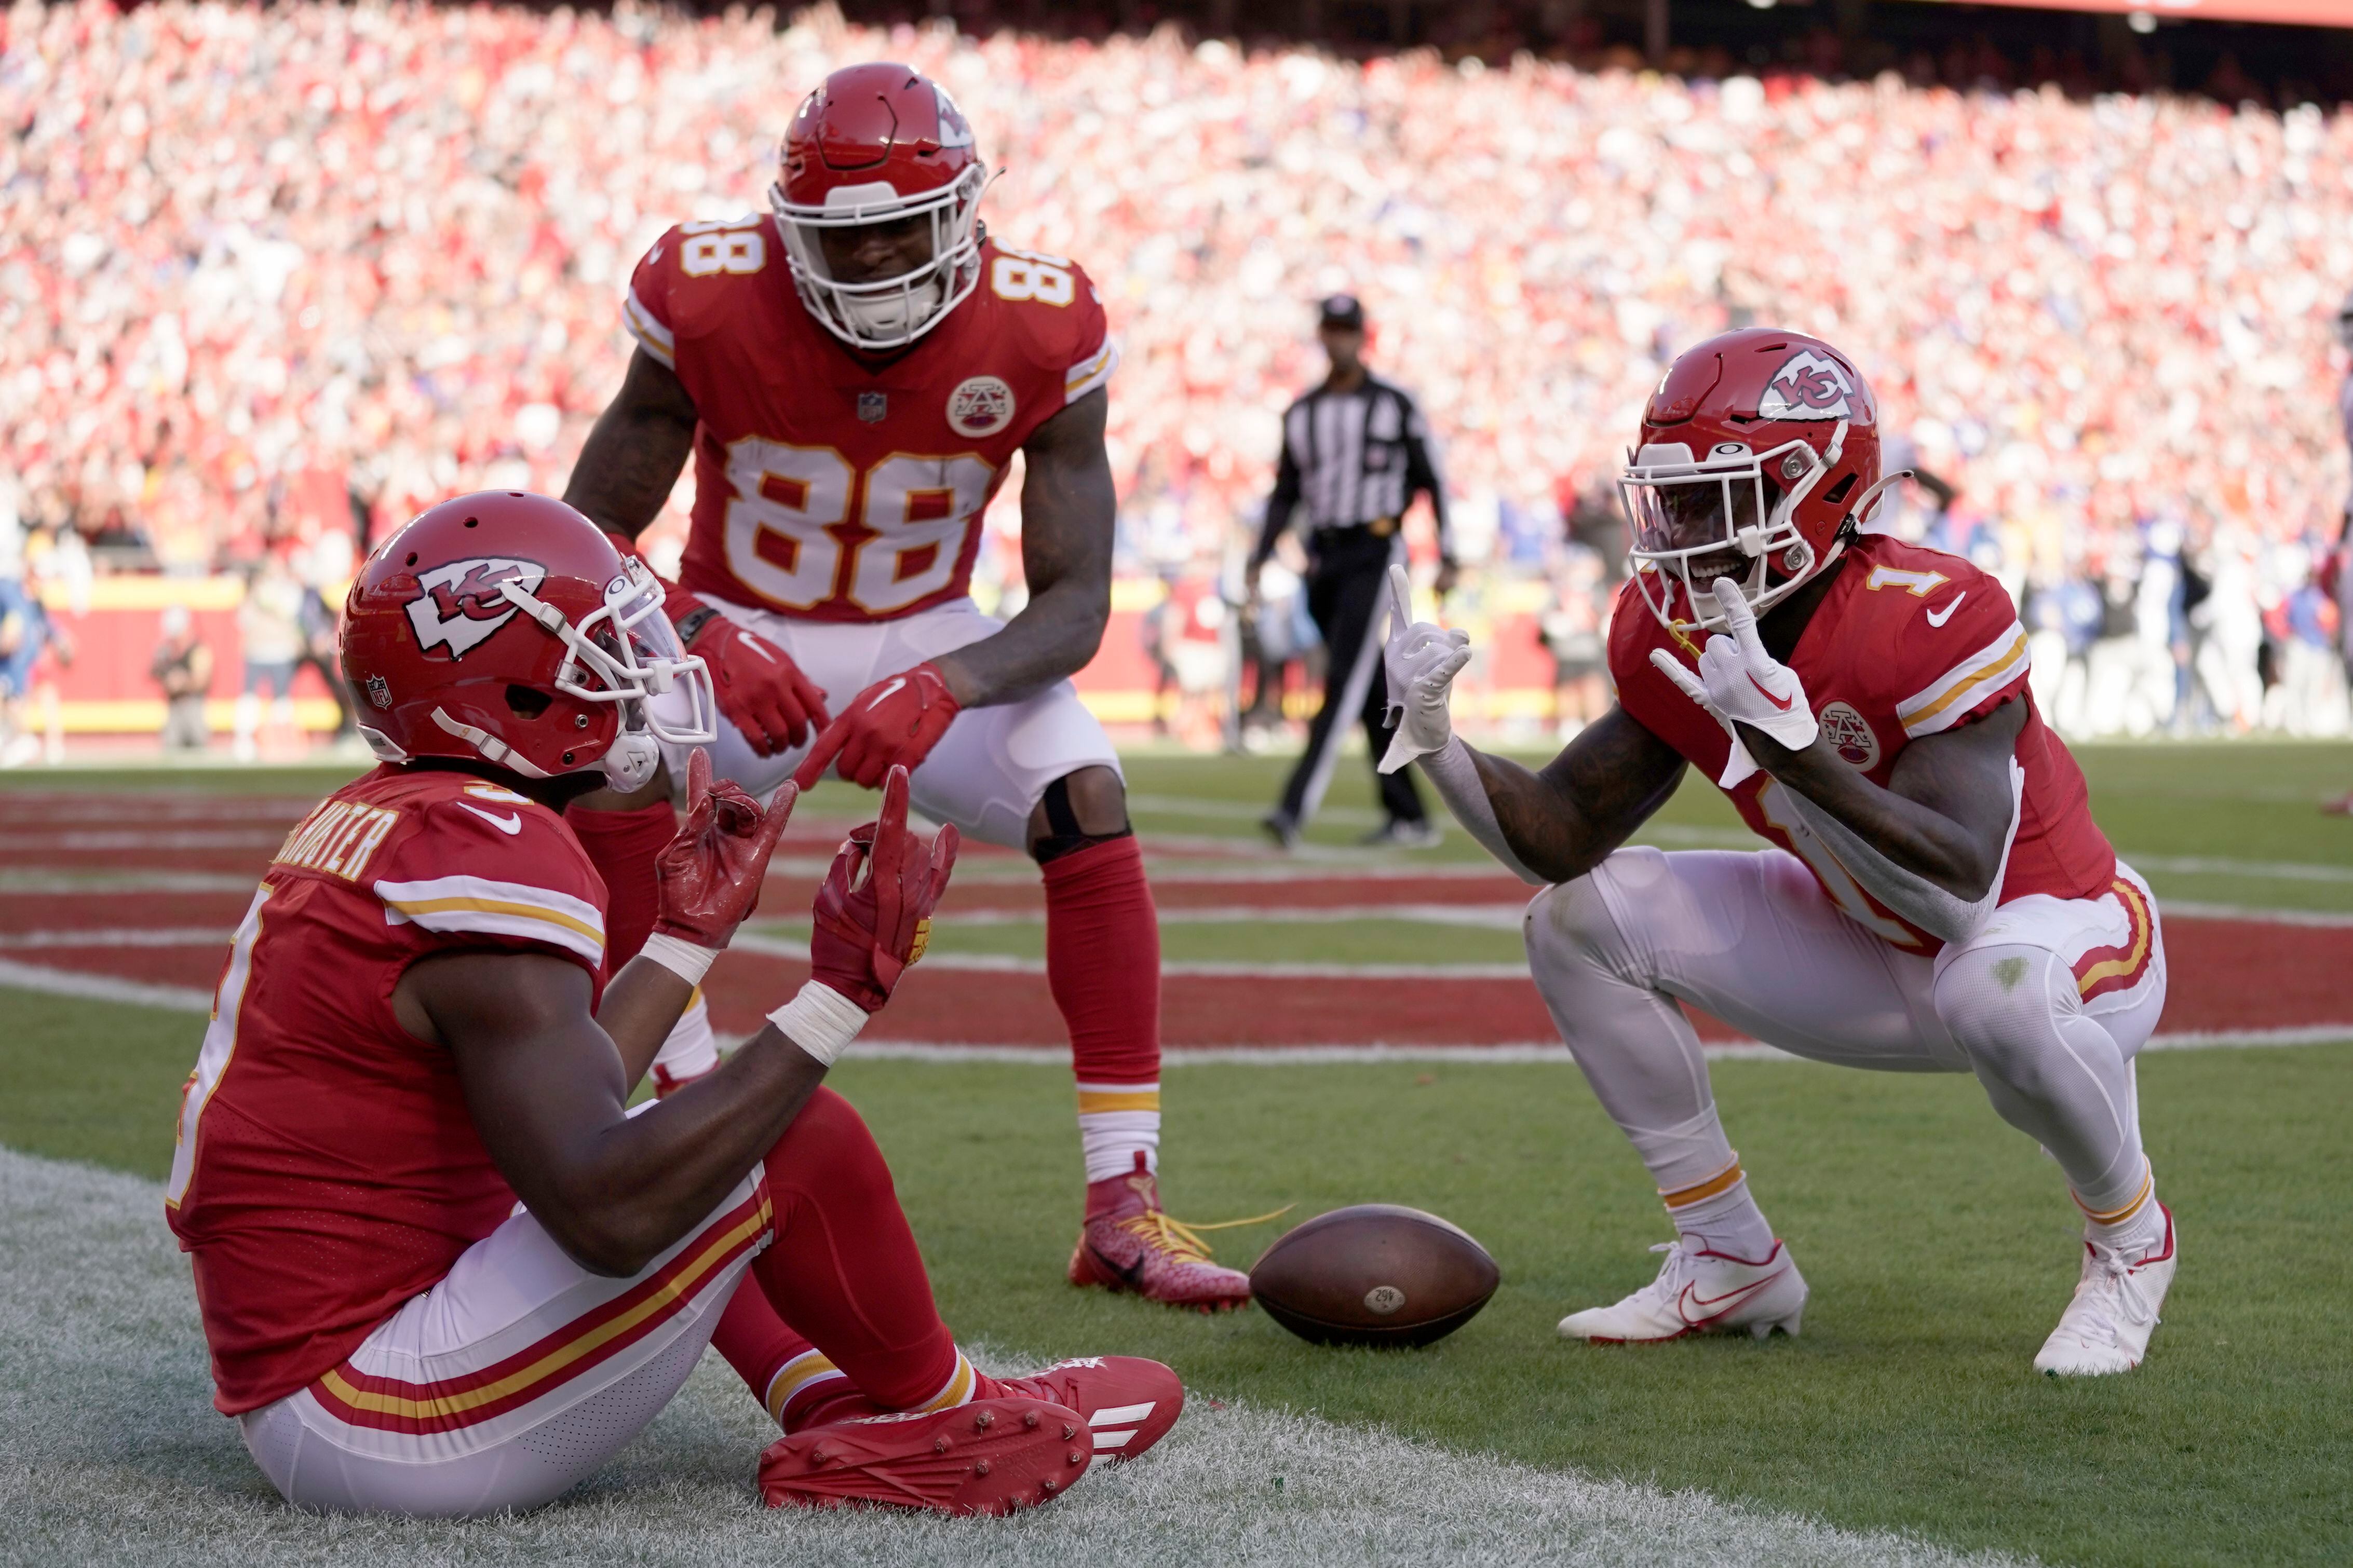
(525,702)
(1839,491)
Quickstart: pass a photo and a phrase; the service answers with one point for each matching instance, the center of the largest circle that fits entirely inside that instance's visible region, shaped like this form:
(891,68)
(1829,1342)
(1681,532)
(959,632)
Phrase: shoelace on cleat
(2116,1281)
(1669,1281)
(1158,1229)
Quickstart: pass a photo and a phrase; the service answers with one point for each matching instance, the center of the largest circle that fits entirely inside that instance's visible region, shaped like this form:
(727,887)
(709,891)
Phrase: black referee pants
(1347,597)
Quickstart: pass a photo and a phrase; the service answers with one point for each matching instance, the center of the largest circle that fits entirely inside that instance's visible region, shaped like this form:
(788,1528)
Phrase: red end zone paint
(2226,975)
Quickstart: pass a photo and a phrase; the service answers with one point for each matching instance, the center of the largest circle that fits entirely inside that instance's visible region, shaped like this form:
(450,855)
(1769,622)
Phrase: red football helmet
(506,627)
(1759,448)
(876,144)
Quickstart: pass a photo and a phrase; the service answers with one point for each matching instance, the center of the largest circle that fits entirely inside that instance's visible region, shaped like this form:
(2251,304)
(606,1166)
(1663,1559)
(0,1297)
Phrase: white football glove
(1422,661)
(1740,683)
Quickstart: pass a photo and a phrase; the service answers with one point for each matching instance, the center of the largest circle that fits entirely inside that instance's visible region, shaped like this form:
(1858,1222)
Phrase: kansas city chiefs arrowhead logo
(1810,386)
(461,603)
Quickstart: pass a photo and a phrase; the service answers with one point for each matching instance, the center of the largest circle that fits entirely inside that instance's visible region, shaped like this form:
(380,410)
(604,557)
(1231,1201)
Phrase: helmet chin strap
(493,750)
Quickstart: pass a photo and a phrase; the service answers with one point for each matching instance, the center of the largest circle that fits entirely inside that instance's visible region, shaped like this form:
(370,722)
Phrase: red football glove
(874,911)
(709,876)
(893,722)
(760,689)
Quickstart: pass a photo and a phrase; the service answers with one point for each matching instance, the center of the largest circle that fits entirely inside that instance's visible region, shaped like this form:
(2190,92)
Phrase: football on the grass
(1376,1274)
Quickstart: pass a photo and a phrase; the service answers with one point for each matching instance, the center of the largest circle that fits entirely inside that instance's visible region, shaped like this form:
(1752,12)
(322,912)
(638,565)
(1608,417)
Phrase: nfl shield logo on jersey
(461,604)
(980,405)
(872,406)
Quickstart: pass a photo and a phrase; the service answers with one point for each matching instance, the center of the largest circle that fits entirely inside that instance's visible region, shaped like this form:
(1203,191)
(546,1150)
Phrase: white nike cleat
(2105,1328)
(1700,1292)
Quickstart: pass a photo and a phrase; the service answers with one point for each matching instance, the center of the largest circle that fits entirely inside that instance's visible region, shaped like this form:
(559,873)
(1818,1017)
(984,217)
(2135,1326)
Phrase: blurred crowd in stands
(272,280)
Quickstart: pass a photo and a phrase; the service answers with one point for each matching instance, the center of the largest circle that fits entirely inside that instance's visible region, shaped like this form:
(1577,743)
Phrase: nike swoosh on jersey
(510,823)
(1781,702)
(1937,619)
(882,696)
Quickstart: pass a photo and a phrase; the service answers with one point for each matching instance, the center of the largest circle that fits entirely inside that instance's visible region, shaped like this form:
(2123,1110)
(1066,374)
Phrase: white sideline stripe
(159,936)
(113,1439)
(103,988)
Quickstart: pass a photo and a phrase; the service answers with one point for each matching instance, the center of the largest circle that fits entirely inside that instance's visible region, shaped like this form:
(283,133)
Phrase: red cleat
(1127,1402)
(1129,1243)
(992,1456)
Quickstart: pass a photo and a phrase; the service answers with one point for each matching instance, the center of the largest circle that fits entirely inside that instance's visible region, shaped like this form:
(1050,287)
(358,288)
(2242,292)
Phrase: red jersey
(834,487)
(327,1168)
(1906,642)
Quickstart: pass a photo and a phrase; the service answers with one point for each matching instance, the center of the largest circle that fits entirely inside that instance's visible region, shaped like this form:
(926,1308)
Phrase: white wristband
(683,959)
(820,1021)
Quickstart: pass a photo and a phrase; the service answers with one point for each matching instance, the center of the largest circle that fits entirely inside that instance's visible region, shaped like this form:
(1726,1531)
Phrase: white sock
(2134,1231)
(1117,1121)
(1720,1216)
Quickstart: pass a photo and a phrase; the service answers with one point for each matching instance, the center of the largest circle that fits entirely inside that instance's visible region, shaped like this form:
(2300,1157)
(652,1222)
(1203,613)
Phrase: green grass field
(1939,1243)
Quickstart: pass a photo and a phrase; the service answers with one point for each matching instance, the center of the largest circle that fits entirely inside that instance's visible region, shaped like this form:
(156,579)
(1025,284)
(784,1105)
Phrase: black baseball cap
(1343,310)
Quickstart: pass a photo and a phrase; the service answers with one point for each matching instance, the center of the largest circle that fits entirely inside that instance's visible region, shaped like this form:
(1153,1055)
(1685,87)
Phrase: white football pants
(2047,1005)
(987,772)
(512,1380)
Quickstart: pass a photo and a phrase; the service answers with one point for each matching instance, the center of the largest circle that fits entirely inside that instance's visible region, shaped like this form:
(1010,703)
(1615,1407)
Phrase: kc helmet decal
(1811,386)
(462,605)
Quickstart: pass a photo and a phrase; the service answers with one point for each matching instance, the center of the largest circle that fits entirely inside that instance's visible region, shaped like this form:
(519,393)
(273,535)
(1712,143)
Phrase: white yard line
(1210,969)
(111,1451)
(1483,917)
(2258,870)
(51,880)
(188,999)
(2188,908)
(142,839)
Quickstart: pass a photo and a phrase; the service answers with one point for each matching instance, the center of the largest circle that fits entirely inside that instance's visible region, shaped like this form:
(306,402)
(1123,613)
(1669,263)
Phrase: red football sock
(759,1345)
(843,1268)
(1102,964)
(623,845)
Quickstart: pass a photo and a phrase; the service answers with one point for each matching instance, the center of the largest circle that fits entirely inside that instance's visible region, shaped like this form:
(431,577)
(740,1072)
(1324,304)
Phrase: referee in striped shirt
(1356,451)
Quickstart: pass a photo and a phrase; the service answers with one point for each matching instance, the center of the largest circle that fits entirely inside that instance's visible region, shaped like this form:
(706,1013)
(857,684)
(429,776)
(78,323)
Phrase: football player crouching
(1935,898)
(441,1269)
(854,372)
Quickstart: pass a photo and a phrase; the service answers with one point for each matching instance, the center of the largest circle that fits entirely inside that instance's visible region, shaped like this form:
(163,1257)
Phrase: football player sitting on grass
(442,1270)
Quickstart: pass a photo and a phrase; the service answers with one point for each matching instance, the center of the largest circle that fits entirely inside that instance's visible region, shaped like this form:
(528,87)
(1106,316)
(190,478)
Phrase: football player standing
(1936,897)
(852,371)
(414,1031)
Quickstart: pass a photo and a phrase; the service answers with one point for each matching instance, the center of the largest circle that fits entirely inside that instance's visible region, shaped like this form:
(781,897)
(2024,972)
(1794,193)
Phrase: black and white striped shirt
(1351,459)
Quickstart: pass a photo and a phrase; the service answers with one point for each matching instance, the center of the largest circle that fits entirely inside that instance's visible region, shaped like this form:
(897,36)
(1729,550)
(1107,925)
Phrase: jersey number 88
(912,514)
